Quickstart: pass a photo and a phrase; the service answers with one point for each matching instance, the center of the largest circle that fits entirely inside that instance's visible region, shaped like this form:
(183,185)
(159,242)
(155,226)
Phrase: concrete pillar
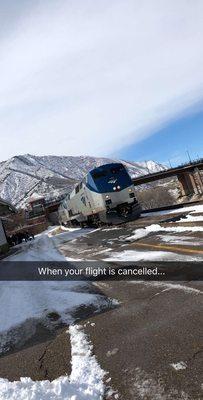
(199,180)
(182,184)
(187,184)
(193,183)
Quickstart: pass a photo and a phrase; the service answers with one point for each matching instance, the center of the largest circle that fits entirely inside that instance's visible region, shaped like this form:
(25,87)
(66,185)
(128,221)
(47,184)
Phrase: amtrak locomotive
(106,195)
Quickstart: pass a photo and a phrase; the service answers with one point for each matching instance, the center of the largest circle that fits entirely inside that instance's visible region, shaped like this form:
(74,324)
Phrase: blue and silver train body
(105,195)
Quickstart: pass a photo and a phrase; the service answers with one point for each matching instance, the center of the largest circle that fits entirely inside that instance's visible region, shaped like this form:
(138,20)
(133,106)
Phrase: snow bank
(84,383)
(85,369)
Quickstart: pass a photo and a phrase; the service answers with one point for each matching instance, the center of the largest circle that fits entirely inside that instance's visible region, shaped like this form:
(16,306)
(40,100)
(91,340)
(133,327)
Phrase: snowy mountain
(52,176)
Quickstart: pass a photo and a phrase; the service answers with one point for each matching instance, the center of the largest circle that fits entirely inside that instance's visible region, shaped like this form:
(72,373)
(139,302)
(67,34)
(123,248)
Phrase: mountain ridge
(52,176)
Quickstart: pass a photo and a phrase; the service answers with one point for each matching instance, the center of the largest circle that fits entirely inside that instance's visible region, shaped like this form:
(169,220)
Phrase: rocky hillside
(53,176)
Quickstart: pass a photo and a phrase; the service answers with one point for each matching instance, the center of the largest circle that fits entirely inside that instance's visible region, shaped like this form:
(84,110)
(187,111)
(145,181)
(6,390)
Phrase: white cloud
(87,77)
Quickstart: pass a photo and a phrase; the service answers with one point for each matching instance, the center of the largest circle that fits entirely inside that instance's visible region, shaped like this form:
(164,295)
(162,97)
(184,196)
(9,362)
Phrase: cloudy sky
(97,77)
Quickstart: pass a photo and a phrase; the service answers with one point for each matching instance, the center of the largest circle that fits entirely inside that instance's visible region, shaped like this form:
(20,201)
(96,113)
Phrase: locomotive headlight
(118,187)
(114,188)
(107,196)
(130,190)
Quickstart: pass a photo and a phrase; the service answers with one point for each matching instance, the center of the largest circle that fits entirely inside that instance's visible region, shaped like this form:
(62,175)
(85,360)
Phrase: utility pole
(170,164)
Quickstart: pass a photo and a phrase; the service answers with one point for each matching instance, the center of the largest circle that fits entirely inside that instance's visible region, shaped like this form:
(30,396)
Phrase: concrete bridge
(189,177)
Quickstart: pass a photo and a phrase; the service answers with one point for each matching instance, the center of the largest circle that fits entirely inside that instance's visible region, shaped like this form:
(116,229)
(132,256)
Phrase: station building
(40,213)
(6,210)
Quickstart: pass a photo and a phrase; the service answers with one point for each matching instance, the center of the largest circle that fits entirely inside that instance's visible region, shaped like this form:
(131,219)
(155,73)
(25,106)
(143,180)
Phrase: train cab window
(77,189)
(117,169)
(80,186)
(70,213)
(99,174)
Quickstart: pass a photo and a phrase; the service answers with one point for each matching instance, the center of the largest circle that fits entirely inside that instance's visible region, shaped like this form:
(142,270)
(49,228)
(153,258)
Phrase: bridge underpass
(189,177)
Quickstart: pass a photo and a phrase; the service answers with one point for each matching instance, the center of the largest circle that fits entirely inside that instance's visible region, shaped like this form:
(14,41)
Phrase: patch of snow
(24,304)
(190,209)
(101,251)
(112,352)
(178,229)
(192,218)
(84,383)
(143,232)
(115,228)
(169,286)
(144,386)
(186,241)
(134,255)
(44,246)
(179,365)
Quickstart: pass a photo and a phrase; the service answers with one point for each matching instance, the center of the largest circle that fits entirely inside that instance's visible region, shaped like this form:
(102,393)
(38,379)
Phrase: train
(106,195)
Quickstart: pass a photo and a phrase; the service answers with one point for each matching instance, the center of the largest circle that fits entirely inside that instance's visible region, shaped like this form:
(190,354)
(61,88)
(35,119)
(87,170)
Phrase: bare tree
(155,197)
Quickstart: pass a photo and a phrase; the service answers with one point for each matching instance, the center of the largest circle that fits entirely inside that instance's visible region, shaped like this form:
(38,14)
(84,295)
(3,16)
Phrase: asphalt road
(137,342)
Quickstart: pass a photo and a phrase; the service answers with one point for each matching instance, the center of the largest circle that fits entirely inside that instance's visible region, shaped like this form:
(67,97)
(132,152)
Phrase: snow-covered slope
(52,176)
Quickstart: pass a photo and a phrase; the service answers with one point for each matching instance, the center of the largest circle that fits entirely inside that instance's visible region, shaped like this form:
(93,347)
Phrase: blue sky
(100,77)
(171,142)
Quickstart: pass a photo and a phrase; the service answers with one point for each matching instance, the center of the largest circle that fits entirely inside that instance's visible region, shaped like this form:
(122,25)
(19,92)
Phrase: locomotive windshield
(99,174)
(103,179)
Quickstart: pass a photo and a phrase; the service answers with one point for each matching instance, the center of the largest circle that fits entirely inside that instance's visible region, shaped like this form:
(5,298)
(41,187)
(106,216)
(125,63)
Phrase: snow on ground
(154,228)
(44,246)
(169,286)
(185,241)
(178,229)
(84,383)
(190,209)
(142,232)
(24,304)
(192,218)
(146,386)
(179,365)
(135,255)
